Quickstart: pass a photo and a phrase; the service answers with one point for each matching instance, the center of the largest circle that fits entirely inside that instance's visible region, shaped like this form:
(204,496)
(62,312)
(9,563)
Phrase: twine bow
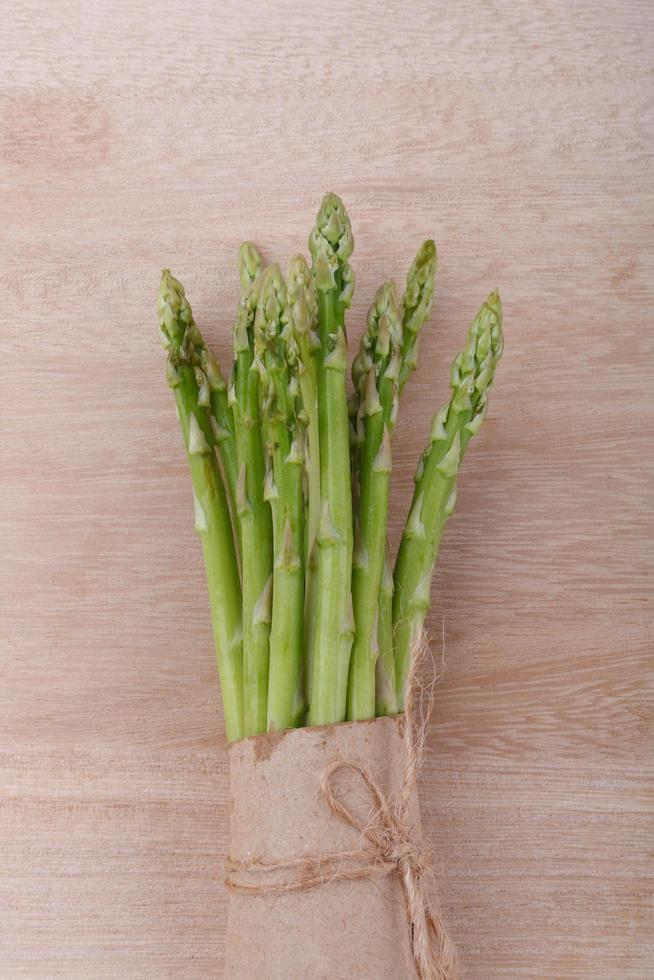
(392,842)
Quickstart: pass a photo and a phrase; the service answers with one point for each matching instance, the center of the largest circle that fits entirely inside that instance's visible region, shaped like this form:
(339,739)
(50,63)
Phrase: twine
(392,845)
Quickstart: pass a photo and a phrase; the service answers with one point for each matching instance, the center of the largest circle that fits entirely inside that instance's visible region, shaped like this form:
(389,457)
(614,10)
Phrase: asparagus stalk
(416,306)
(253,510)
(417,301)
(212,520)
(331,245)
(361,365)
(385,691)
(434,497)
(214,395)
(277,362)
(304,314)
(380,346)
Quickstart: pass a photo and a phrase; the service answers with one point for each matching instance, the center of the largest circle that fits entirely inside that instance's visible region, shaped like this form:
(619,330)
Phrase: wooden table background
(519,135)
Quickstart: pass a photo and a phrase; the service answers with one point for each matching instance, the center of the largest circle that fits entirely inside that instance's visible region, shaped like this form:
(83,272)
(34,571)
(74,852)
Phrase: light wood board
(134,136)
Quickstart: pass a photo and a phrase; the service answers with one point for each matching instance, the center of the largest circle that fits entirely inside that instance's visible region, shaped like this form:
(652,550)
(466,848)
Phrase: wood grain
(519,134)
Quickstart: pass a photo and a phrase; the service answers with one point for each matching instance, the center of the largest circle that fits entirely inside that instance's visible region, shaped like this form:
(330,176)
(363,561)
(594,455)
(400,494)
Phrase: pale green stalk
(212,520)
(435,481)
(355,408)
(331,245)
(222,428)
(381,344)
(365,434)
(212,393)
(253,510)
(385,691)
(277,361)
(304,312)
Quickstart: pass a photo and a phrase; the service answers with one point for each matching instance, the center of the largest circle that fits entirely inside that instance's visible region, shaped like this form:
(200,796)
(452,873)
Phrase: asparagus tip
(249,264)
(175,314)
(331,237)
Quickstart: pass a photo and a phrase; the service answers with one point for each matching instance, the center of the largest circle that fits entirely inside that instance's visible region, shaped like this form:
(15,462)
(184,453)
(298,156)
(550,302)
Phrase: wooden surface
(519,134)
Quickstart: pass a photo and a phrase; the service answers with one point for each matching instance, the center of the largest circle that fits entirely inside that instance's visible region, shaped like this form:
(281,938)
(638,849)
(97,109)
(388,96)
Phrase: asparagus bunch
(291,480)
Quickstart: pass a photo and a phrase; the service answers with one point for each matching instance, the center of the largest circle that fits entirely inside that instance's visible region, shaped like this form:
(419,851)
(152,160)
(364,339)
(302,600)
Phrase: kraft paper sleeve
(339,930)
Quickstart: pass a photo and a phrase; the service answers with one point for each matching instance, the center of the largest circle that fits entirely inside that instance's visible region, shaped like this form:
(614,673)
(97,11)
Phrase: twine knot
(393,847)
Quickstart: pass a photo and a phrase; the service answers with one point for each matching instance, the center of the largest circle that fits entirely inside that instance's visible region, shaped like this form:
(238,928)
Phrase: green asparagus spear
(361,365)
(415,309)
(222,427)
(212,393)
(434,497)
(249,265)
(277,362)
(381,346)
(331,245)
(304,312)
(253,510)
(385,692)
(212,520)
(417,301)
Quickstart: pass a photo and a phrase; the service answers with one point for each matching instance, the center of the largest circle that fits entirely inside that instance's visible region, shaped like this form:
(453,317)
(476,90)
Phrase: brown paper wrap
(341,929)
